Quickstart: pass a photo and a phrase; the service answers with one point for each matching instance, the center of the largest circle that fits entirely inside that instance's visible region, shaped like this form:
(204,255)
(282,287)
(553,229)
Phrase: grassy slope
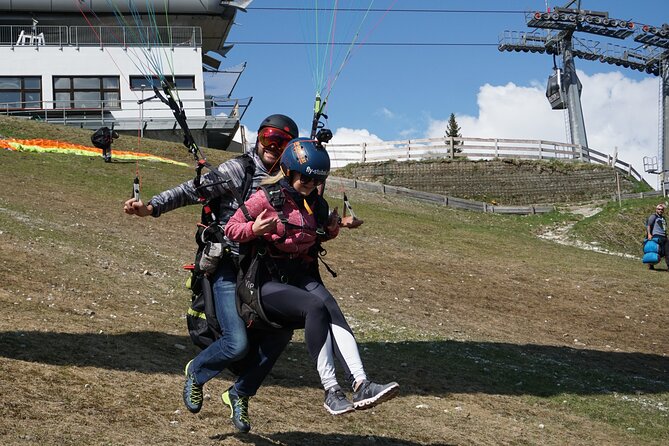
(496,336)
(619,227)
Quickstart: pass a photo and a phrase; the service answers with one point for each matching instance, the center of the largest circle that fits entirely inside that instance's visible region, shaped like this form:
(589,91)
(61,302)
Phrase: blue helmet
(307,157)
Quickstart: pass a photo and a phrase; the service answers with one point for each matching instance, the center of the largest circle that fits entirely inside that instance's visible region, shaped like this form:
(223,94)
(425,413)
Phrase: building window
(86,92)
(182,82)
(18,93)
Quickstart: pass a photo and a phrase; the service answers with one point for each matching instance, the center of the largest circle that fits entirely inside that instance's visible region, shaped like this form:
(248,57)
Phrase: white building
(86,62)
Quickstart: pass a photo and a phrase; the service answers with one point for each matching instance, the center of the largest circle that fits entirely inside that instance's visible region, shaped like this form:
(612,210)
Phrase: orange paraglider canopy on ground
(52,146)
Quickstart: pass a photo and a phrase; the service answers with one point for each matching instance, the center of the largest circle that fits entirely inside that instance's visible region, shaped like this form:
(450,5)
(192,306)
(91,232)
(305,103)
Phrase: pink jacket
(297,240)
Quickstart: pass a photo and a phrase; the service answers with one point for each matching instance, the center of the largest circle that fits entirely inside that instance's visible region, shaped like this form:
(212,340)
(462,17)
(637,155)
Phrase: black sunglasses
(304,179)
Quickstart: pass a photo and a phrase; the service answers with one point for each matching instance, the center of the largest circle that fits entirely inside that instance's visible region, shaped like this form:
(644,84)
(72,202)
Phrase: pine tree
(453,130)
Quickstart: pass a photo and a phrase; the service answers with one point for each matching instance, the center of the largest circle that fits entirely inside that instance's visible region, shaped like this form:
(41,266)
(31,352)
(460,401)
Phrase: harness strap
(208,215)
(276,198)
(330,270)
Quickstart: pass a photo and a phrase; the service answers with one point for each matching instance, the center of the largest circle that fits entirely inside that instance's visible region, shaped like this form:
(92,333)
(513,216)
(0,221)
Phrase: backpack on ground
(103,138)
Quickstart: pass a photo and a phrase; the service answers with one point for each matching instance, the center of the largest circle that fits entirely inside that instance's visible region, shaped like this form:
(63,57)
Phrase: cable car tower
(555,34)
(659,37)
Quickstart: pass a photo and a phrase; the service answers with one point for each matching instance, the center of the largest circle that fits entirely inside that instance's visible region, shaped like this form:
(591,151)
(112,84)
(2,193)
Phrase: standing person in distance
(656,228)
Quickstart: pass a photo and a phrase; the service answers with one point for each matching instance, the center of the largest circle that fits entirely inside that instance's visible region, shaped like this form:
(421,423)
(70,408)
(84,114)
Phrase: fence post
(451,150)
(408,149)
(496,148)
(540,151)
(580,152)
(363,152)
(614,160)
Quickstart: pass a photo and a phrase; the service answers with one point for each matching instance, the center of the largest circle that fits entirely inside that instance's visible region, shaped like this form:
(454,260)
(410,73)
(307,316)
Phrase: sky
(397,92)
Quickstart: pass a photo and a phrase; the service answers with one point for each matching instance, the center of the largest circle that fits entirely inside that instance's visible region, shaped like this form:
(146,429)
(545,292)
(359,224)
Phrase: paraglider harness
(203,326)
(260,262)
(254,267)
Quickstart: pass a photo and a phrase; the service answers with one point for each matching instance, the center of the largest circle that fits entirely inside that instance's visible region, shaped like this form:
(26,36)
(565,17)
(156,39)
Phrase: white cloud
(408,133)
(619,112)
(386,113)
(345,135)
(507,111)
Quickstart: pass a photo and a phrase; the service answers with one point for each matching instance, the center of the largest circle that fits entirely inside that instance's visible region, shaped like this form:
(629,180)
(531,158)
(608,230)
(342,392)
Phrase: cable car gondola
(554,91)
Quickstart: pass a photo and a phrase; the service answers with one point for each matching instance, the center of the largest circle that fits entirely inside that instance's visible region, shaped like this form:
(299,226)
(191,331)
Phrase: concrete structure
(80,63)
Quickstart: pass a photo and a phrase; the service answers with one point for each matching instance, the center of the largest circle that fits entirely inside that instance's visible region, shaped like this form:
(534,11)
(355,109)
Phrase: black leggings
(309,304)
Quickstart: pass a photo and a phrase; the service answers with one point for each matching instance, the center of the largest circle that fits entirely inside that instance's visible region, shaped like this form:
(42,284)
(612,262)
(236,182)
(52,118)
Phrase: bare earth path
(560,233)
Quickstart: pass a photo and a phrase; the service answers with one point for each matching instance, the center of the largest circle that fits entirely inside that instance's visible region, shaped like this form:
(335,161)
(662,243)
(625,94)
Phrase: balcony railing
(127,113)
(120,36)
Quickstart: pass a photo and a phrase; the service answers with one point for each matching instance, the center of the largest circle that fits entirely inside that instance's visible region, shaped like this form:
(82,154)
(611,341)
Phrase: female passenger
(293,295)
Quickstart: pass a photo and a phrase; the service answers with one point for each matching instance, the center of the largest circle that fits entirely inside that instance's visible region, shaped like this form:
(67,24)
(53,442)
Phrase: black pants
(663,243)
(307,303)
(107,153)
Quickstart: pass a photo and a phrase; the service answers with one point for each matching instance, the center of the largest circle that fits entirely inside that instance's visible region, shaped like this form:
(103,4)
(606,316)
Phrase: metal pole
(664,117)
(573,89)
(141,115)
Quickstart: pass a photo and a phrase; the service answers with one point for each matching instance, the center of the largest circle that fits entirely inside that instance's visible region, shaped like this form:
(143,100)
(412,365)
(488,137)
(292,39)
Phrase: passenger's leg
(292,306)
(366,394)
(346,347)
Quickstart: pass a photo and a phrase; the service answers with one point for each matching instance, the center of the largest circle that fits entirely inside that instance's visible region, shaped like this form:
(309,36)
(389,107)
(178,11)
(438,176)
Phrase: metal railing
(144,36)
(472,148)
(127,112)
(123,36)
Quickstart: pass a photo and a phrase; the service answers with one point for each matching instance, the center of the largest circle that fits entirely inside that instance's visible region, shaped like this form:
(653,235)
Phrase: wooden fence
(458,203)
(472,148)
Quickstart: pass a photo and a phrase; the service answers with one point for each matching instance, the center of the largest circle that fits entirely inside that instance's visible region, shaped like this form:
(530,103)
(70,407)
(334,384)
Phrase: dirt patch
(560,233)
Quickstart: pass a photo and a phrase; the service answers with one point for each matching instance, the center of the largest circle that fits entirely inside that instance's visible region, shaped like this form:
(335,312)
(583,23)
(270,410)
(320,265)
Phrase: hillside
(504,181)
(619,227)
(495,335)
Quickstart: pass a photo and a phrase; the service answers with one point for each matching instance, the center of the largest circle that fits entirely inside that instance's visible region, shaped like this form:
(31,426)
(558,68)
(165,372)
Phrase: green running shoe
(192,392)
(239,409)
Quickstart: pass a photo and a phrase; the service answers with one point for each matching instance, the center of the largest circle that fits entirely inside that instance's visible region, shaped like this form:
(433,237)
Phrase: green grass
(490,330)
(619,227)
